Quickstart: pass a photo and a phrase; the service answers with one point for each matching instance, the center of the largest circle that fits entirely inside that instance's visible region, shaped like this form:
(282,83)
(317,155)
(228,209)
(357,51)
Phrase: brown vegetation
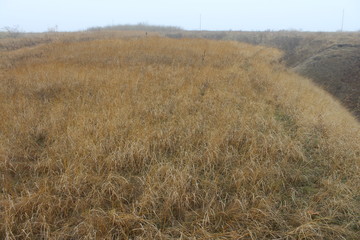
(155,138)
(332,60)
(297,46)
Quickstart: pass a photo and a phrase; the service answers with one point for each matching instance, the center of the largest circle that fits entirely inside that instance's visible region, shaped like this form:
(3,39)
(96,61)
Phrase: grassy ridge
(171,139)
(330,59)
(297,46)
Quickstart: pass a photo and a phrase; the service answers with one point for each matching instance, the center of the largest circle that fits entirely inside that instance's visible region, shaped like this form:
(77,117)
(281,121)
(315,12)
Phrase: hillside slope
(155,138)
(331,60)
(337,69)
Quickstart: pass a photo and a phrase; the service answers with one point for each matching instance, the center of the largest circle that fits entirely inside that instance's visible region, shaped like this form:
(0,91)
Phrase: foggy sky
(74,15)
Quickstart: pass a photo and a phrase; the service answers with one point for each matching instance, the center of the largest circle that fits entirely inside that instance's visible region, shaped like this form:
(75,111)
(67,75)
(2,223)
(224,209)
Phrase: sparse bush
(12,32)
(53,29)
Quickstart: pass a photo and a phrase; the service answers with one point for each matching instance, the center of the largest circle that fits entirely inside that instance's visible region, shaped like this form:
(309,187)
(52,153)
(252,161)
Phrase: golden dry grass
(330,59)
(153,138)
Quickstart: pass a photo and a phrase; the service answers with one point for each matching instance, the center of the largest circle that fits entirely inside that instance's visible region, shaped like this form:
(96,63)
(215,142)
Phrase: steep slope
(153,138)
(337,69)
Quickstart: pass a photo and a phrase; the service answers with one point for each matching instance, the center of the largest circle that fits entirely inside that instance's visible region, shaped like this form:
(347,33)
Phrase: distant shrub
(137,27)
(53,29)
(218,35)
(12,32)
(174,35)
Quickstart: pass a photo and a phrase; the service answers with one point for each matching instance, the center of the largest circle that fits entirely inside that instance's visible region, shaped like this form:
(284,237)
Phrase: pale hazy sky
(72,15)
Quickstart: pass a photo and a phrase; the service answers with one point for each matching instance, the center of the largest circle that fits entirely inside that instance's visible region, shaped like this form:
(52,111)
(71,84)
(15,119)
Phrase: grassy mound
(153,138)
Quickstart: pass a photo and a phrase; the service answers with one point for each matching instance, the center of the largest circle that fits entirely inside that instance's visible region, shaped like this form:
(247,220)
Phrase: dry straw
(153,138)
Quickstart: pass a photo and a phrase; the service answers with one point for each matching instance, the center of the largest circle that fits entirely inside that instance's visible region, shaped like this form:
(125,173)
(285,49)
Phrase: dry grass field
(330,59)
(155,138)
